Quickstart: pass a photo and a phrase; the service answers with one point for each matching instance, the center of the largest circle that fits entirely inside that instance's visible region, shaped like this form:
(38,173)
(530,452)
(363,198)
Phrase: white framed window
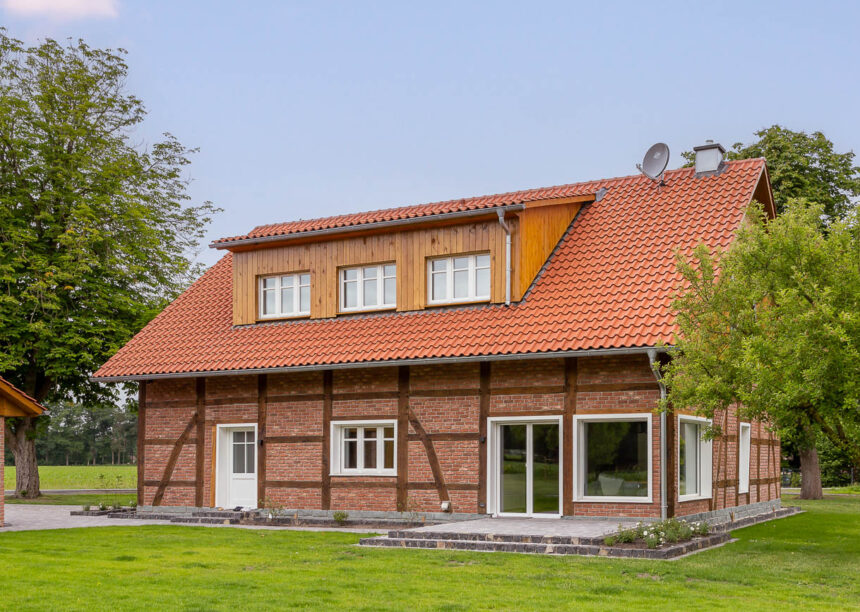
(744,442)
(367,448)
(463,278)
(695,456)
(368,287)
(285,295)
(613,455)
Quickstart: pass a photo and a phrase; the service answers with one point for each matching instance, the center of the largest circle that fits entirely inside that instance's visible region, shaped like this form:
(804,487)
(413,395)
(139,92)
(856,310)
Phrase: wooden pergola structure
(13,403)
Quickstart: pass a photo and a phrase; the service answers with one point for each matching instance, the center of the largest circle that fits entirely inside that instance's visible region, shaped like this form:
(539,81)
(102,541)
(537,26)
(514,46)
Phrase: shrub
(610,541)
(652,541)
(340,517)
(86,508)
(102,506)
(657,534)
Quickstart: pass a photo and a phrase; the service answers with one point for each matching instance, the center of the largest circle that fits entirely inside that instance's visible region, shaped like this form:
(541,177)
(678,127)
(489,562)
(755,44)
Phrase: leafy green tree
(773,326)
(96,232)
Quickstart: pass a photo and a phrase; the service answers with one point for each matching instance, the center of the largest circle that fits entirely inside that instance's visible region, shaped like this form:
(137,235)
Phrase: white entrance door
(237,466)
(525,473)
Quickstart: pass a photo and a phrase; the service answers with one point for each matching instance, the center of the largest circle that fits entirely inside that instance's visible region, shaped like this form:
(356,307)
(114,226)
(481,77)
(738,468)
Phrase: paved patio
(530,527)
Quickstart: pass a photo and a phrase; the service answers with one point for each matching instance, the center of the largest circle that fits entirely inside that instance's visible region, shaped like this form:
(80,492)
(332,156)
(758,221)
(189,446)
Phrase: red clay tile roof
(410,212)
(607,285)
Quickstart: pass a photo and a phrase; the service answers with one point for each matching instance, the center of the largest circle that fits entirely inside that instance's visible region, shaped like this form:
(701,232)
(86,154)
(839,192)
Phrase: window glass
(285,295)
(461,284)
(367,449)
(238,452)
(688,462)
(463,278)
(350,294)
(616,458)
(249,454)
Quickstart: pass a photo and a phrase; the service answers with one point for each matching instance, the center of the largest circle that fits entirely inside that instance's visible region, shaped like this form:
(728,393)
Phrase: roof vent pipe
(710,158)
(507,229)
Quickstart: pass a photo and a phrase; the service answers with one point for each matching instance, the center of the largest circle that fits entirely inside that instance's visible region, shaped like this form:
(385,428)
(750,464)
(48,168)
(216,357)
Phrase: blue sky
(305,109)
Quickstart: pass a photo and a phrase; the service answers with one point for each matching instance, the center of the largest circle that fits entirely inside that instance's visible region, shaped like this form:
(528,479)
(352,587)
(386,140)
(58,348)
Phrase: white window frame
(493,485)
(337,429)
(449,279)
(706,461)
(580,462)
(744,447)
(297,290)
(380,288)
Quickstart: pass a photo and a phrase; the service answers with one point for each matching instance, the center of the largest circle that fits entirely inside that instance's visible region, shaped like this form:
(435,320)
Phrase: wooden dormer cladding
(535,231)
(409,249)
(542,224)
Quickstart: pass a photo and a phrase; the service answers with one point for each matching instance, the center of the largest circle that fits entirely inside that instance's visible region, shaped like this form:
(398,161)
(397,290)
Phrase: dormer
(484,250)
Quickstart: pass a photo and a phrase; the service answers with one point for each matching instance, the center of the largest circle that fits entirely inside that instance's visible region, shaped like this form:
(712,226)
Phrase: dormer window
(464,278)
(285,295)
(368,288)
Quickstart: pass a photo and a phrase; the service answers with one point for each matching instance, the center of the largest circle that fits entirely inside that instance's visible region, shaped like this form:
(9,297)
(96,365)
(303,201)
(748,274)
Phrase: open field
(81,477)
(810,561)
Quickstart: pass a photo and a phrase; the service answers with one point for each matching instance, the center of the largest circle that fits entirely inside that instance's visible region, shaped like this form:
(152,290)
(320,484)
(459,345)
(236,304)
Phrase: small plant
(340,517)
(102,506)
(653,535)
(87,508)
(132,504)
(273,508)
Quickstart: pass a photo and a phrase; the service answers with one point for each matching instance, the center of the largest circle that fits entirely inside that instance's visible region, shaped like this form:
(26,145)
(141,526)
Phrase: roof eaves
(478,212)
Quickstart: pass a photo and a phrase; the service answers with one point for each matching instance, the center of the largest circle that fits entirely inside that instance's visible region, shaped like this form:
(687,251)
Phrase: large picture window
(614,457)
(694,459)
(465,278)
(286,295)
(364,448)
(368,288)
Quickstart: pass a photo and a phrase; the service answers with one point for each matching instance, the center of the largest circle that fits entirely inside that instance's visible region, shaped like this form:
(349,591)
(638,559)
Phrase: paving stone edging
(560,545)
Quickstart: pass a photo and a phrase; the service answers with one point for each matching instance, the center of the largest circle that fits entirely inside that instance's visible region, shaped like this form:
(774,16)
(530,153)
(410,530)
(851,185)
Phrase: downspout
(507,229)
(664,503)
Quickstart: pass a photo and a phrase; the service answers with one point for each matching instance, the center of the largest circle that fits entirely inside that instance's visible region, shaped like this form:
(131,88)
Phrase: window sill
(485,300)
(689,498)
(385,474)
(615,500)
(268,318)
(366,310)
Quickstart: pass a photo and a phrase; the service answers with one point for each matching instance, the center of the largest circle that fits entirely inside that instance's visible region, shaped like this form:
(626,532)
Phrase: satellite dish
(655,162)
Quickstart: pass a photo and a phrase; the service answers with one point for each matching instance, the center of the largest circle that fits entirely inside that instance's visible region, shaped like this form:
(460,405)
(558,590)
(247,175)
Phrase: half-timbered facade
(489,355)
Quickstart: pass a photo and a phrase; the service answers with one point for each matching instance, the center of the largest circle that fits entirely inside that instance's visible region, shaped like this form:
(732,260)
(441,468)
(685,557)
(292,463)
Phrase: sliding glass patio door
(528,480)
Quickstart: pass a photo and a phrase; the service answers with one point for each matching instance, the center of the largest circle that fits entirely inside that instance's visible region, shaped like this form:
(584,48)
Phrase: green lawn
(78,499)
(81,477)
(808,562)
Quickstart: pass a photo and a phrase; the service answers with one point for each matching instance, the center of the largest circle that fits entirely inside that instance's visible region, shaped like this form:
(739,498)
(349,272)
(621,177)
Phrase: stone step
(546,548)
(204,520)
(495,537)
(224,514)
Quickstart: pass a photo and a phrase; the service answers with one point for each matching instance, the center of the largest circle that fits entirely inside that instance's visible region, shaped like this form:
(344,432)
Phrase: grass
(810,562)
(851,490)
(78,499)
(81,477)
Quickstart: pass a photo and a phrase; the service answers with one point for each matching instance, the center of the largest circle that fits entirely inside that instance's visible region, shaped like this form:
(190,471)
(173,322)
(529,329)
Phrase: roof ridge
(506,197)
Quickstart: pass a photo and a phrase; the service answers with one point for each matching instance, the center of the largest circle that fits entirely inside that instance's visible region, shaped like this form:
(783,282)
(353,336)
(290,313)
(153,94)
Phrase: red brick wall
(443,398)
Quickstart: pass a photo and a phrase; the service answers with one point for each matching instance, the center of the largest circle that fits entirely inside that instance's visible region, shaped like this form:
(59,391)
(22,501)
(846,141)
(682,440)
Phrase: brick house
(483,355)
(13,403)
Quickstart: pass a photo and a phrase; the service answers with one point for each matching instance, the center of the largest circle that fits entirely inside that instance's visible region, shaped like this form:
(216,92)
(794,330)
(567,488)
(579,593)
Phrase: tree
(773,326)
(96,233)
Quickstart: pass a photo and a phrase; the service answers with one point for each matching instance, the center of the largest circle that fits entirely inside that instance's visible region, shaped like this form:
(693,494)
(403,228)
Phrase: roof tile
(608,285)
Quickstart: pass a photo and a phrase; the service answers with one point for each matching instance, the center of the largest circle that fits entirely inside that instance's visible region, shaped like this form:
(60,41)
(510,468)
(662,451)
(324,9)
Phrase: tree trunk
(810,474)
(23,447)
